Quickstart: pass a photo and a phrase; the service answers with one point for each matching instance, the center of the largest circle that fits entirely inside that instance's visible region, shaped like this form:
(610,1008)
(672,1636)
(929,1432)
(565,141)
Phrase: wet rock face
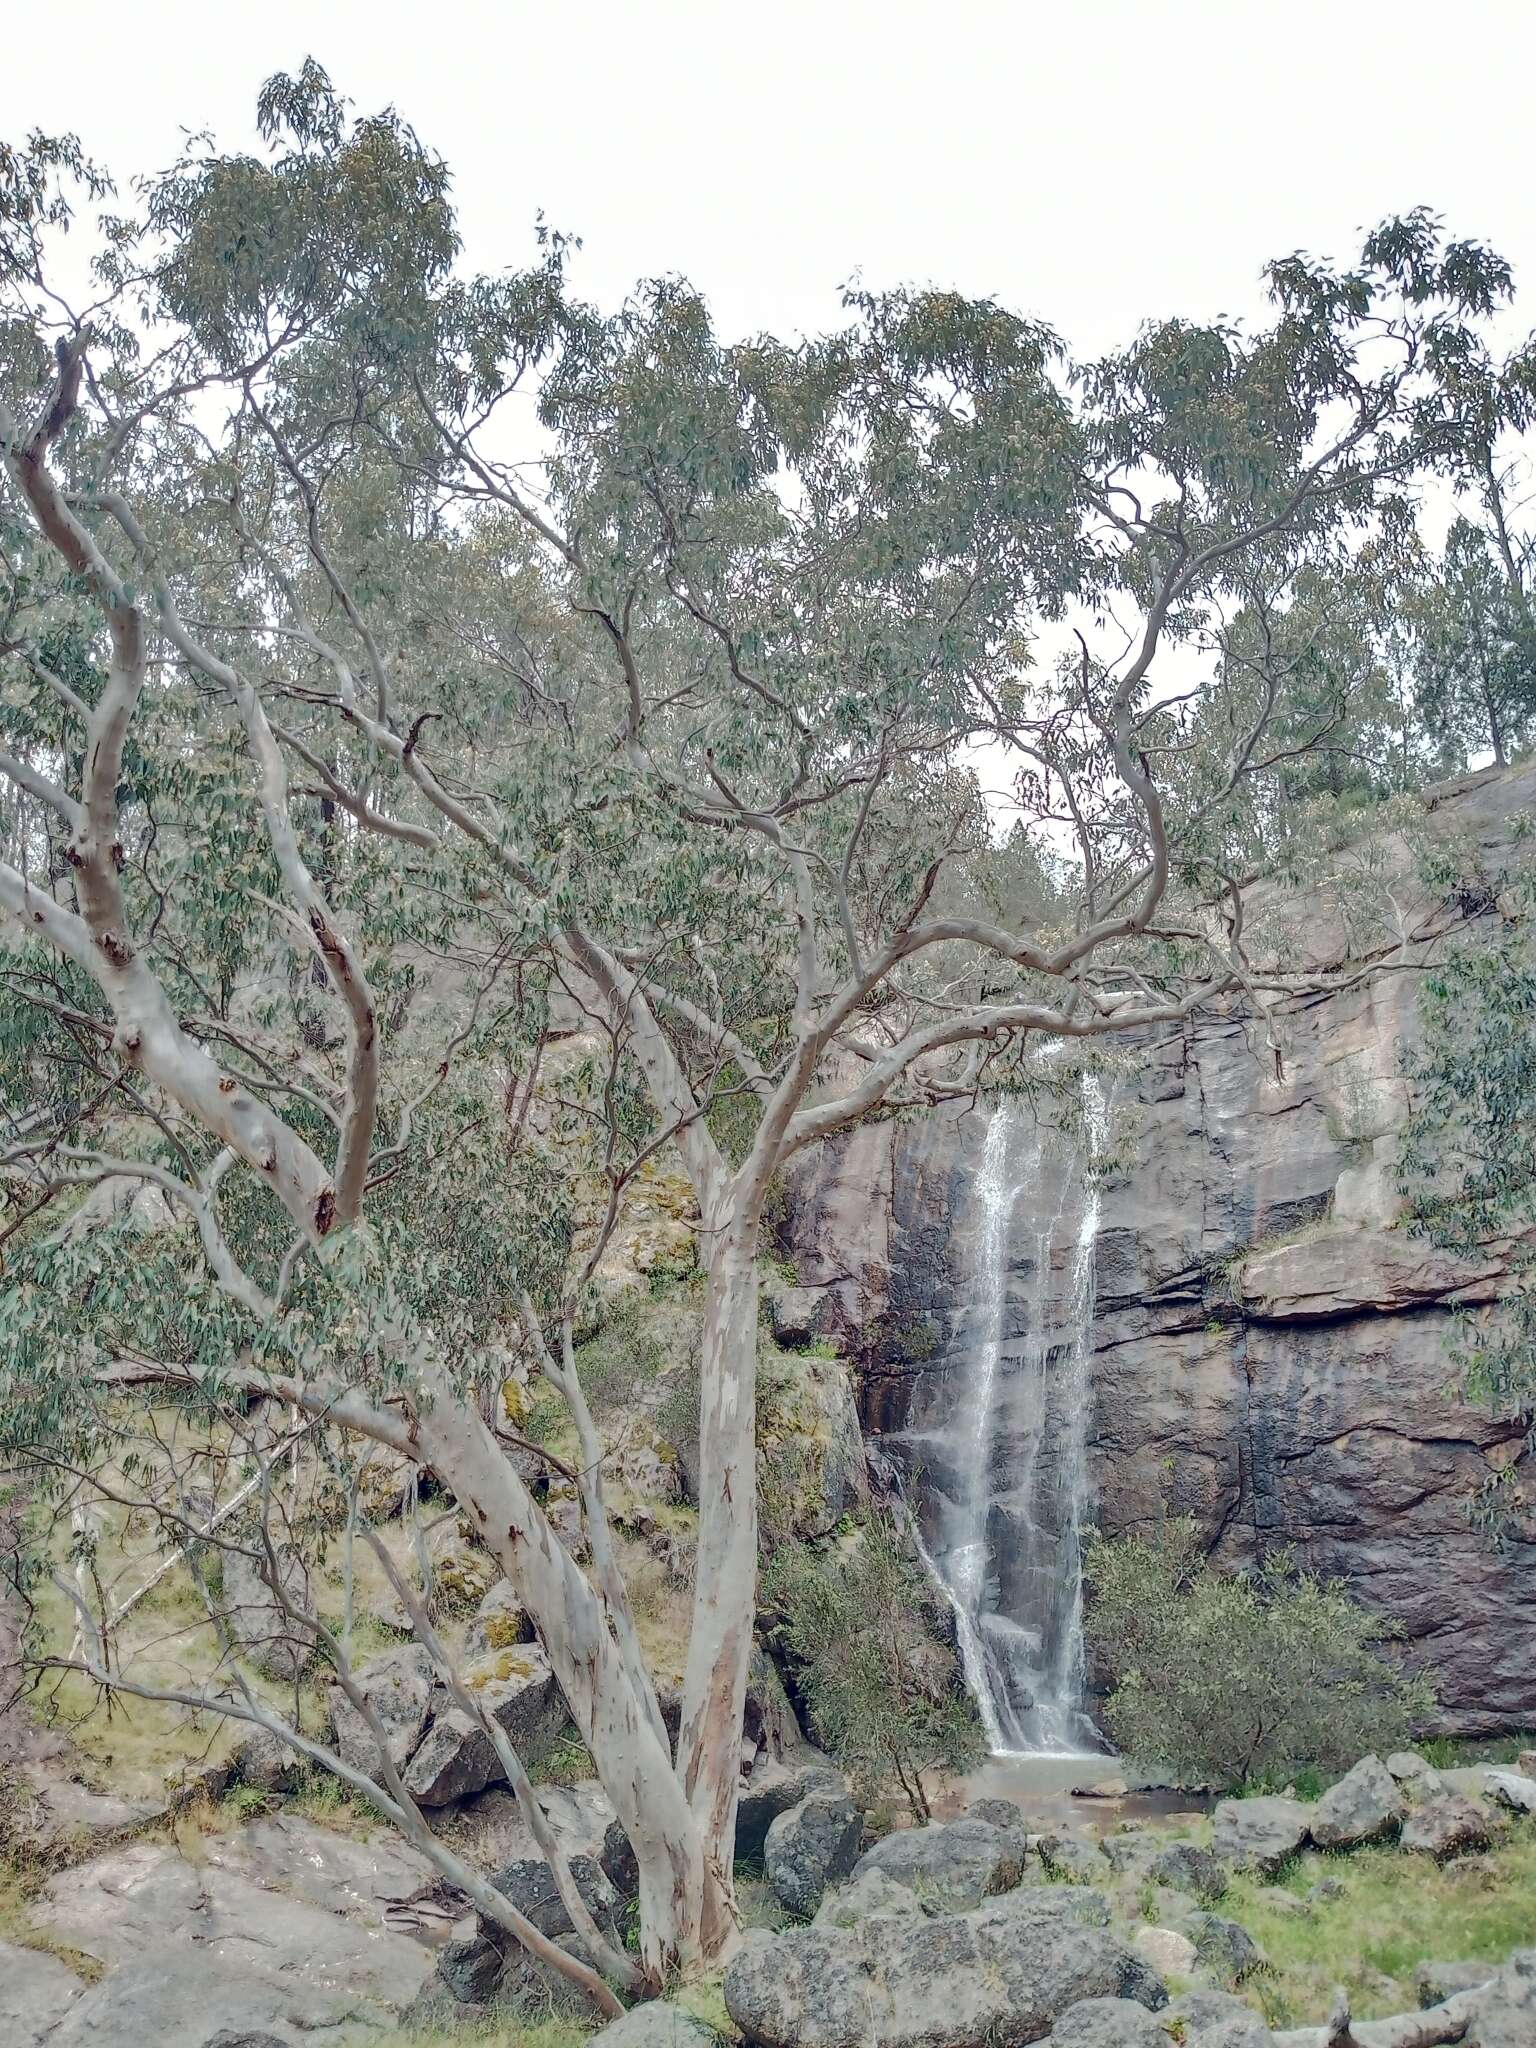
(1270,1346)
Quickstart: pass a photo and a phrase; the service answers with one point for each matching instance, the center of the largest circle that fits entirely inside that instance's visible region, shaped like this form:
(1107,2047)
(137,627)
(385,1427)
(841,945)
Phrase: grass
(505,2033)
(1450,1752)
(703,2000)
(1395,1911)
(19,1886)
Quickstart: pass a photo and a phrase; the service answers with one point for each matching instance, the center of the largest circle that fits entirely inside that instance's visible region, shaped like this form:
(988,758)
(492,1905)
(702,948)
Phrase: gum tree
(400,663)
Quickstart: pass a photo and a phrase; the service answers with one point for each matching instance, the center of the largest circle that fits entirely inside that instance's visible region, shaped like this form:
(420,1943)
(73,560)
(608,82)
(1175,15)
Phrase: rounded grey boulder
(961,1861)
(1107,2023)
(1446,1827)
(1366,1804)
(1259,1834)
(811,1846)
(1226,1947)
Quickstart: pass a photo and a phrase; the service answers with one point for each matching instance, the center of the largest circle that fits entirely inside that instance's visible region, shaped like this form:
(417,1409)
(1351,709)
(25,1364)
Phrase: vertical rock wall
(1270,1345)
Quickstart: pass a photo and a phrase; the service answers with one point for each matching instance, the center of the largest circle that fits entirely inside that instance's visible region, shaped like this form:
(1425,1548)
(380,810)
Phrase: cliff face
(1269,1345)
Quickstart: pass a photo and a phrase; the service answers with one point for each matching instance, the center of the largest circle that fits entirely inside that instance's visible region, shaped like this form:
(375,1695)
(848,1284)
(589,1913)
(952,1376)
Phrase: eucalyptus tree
(401,662)
(1475,648)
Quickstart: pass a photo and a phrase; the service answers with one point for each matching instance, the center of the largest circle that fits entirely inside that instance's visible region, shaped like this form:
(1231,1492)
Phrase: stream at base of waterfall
(999,1477)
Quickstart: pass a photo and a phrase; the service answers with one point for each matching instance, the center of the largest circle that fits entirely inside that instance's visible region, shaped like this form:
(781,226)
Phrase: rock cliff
(1269,1346)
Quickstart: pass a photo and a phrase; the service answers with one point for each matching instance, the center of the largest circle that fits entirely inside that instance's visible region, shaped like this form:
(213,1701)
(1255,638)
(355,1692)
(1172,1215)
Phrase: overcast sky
(1091,166)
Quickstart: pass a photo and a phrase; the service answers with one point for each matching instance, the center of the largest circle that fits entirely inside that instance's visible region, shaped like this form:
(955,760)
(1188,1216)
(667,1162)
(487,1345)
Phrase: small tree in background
(880,1697)
(1467,1166)
(1232,1679)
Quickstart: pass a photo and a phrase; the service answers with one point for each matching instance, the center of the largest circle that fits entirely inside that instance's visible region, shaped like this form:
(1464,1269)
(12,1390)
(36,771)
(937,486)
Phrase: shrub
(1237,1679)
(883,1693)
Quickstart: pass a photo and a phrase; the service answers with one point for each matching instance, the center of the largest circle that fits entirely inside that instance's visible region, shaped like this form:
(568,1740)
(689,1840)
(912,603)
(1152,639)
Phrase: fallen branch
(1439,2026)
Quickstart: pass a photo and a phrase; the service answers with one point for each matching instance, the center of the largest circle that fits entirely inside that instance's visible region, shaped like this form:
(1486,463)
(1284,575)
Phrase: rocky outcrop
(280,1929)
(1270,1346)
(996,1978)
(442,1753)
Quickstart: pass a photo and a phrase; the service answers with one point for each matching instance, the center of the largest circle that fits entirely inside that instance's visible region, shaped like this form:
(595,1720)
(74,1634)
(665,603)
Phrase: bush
(1239,1679)
(883,1693)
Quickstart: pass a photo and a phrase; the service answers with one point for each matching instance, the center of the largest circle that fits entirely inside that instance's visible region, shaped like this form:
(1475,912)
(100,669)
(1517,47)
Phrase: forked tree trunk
(630,1757)
(725,1583)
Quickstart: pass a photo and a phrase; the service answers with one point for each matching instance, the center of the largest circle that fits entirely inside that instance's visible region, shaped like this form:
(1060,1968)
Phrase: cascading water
(1005,1486)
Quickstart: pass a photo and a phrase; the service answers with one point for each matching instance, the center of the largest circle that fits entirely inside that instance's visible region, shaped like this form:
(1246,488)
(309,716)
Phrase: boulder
(1505,2013)
(771,1788)
(243,2037)
(811,1846)
(960,1861)
(1215,2019)
(1225,1947)
(498,1622)
(1511,1789)
(490,1966)
(1189,1868)
(1470,1780)
(1433,1983)
(657,2025)
(194,1784)
(1146,1854)
(279,1648)
(456,1757)
(1107,2023)
(398,1686)
(797,1314)
(873,1892)
(470,1967)
(529,1885)
(1131,1852)
(1406,1765)
(491,1831)
(997,1813)
(1445,1827)
(266,1762)
(1259,1834)
(1165,1950)
(1073,1857)
(1364,1806)
(996,1978)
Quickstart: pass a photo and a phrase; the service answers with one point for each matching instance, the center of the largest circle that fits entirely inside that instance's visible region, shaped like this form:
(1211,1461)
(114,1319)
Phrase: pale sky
(1092,167)
(1089,166)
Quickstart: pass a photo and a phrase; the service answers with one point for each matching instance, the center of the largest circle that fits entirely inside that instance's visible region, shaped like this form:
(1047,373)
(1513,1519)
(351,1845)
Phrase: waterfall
(1007,1492)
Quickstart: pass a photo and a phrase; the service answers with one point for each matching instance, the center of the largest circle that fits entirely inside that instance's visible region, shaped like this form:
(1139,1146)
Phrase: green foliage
(1236,1679)
(1467,1163)
(883,1694)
